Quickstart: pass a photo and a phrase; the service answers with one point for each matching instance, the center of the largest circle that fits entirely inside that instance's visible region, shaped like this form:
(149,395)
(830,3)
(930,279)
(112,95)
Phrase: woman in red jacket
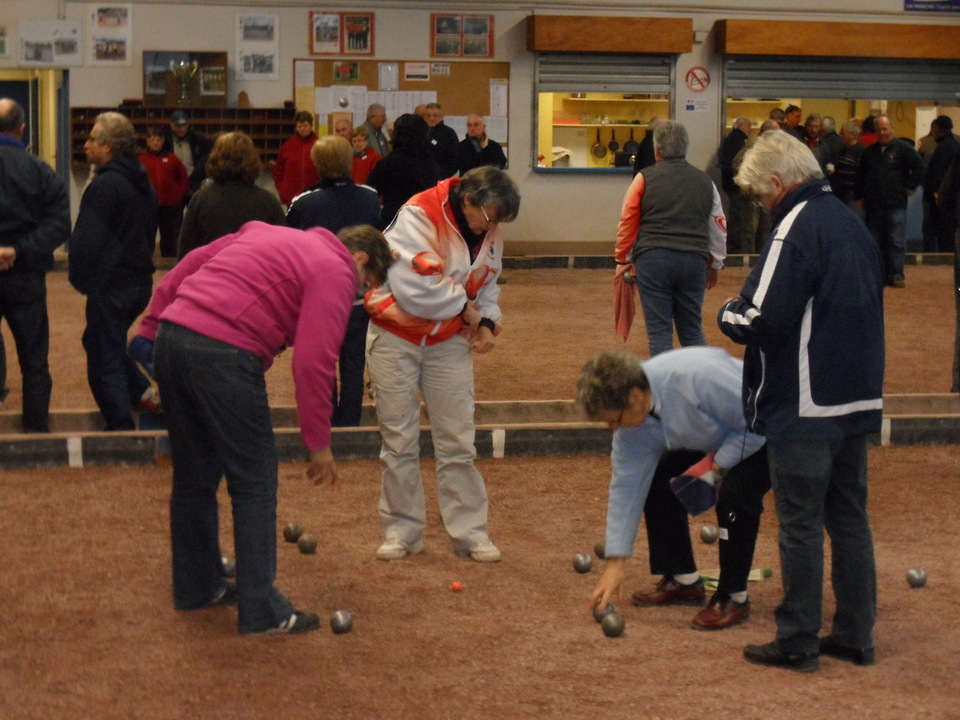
(293,171)
(170,182)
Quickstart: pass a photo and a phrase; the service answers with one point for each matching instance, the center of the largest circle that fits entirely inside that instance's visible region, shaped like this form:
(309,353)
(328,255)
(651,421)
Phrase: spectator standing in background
(34,221)
(111,262)
(408,170)
(233,197)
(868,131)
(442,141)
(375,122)
(942,225)
(365,158)
(478,149)
(293,171)
(335,203)
(170,182)
(645,156)
(890,171)
(191,146)
(342,128)
(843,180)
(740,229)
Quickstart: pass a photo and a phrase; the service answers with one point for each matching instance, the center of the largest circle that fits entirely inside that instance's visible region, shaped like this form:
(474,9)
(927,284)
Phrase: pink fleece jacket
(262,289)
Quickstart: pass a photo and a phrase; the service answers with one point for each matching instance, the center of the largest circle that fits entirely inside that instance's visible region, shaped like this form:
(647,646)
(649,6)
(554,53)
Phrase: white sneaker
(394,549)
(485,551)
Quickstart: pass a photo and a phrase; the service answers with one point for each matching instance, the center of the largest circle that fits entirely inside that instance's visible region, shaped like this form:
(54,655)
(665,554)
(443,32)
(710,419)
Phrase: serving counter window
(594,130)
(593,110)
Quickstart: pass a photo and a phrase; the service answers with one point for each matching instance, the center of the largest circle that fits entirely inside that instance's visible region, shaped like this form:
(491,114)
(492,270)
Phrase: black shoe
(225,595)
(773,656)
(858,656)
(298,622)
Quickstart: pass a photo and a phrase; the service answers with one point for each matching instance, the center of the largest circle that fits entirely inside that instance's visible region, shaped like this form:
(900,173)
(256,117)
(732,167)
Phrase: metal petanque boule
(582,563)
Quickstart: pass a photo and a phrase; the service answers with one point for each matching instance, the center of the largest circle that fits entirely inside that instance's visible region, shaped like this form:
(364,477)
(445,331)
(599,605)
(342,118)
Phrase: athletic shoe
(298,622)
(858,656)
(485,552)
(393,549)
(772,656)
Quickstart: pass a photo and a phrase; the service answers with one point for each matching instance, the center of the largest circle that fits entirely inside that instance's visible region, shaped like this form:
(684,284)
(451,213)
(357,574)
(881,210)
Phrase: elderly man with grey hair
(374,125)
(111,262)
(811,317)
(673,231)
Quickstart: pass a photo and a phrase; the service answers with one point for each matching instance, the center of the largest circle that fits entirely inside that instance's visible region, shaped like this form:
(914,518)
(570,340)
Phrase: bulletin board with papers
(332,87)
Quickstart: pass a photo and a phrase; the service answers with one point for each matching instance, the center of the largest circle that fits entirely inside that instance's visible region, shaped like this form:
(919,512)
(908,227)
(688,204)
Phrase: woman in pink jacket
(219,318)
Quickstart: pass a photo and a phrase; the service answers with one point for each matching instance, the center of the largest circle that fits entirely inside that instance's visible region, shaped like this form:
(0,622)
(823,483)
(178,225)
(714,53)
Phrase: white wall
(555,208)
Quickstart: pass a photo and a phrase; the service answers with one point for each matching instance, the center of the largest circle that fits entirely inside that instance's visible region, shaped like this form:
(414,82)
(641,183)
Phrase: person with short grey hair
(672,231)
(375,122)
(111,262)
(817,288)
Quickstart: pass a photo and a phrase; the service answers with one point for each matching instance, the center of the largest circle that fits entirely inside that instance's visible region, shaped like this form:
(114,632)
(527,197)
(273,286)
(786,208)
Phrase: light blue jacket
(696,406)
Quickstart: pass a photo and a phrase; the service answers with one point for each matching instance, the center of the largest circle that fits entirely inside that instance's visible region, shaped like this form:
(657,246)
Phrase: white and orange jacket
(434,278)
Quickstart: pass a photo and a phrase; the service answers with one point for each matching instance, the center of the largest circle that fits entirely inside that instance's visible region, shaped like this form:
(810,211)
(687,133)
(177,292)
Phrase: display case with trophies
(191,79)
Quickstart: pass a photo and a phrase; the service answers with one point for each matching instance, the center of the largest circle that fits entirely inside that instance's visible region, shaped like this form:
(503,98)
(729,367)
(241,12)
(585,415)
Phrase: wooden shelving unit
(269,127)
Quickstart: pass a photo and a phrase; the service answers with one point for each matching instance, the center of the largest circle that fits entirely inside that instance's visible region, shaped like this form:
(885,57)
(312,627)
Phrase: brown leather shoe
(721,613)
(669,592)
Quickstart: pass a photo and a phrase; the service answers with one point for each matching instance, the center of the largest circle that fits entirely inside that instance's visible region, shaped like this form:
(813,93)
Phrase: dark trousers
(820,483)
(739,508)
(115,380)
(23,302)
(169,220)
(348,403)
(218,414)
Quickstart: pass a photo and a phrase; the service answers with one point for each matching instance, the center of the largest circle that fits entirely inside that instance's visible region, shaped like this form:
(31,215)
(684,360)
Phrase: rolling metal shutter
(565,72)
(853,78)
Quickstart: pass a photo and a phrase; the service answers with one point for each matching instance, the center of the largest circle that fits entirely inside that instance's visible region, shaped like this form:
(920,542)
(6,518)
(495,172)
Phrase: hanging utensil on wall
(631,146)
(613,144)
(598,150)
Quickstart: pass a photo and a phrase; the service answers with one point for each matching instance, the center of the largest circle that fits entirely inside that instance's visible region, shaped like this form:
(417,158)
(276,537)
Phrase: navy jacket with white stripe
(811,316)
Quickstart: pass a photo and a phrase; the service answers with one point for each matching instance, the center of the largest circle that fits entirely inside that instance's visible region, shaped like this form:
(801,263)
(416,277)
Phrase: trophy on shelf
(183,70)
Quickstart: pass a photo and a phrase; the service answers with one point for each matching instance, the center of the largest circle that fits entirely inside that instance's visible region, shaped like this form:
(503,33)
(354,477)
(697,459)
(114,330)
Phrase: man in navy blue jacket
(811,316)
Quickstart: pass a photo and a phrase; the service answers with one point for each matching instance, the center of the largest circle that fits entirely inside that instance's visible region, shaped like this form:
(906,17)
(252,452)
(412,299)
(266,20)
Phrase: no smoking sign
(697,79)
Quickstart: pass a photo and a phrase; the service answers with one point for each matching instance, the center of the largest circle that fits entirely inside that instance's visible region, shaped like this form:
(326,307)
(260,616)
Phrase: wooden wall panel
(585,34)
(836,39)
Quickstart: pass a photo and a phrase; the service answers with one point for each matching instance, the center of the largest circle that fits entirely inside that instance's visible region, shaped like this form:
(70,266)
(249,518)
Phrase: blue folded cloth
(140,351)
(696,494)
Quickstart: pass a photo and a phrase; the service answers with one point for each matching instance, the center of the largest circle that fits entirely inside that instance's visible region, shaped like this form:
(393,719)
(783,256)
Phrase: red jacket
(294,171)
(168,176)
(363,164)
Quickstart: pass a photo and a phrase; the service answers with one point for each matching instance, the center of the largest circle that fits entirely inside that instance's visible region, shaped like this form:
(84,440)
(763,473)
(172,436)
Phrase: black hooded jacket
(113,240)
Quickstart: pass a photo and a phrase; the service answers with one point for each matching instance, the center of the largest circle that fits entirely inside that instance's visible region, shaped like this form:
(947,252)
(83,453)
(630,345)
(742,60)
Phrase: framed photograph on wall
(347,33)
(461,35)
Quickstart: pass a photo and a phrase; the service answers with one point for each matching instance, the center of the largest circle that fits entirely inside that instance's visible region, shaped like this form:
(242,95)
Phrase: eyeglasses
(486,217)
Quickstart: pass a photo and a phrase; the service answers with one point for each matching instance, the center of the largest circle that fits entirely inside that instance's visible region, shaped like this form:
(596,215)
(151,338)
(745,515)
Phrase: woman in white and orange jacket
(440,303)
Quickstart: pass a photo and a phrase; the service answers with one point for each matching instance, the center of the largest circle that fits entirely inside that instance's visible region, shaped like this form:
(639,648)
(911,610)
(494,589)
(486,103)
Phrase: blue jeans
(821,483)
(23,302)
(671,285)
(889,229)
(216,406)
(115,380)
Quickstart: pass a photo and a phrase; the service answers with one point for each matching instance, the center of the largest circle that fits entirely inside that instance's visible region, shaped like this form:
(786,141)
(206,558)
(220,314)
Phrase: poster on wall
(50,43)
(345,33)
(110,36)
(469,36)
(258,47)
(4,51)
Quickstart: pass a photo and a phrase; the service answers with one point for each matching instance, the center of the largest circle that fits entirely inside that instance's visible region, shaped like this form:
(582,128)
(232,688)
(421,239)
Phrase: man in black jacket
(741,225)
(942,224)
(443,144)
(34,221)
(111,262)
(890,170)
